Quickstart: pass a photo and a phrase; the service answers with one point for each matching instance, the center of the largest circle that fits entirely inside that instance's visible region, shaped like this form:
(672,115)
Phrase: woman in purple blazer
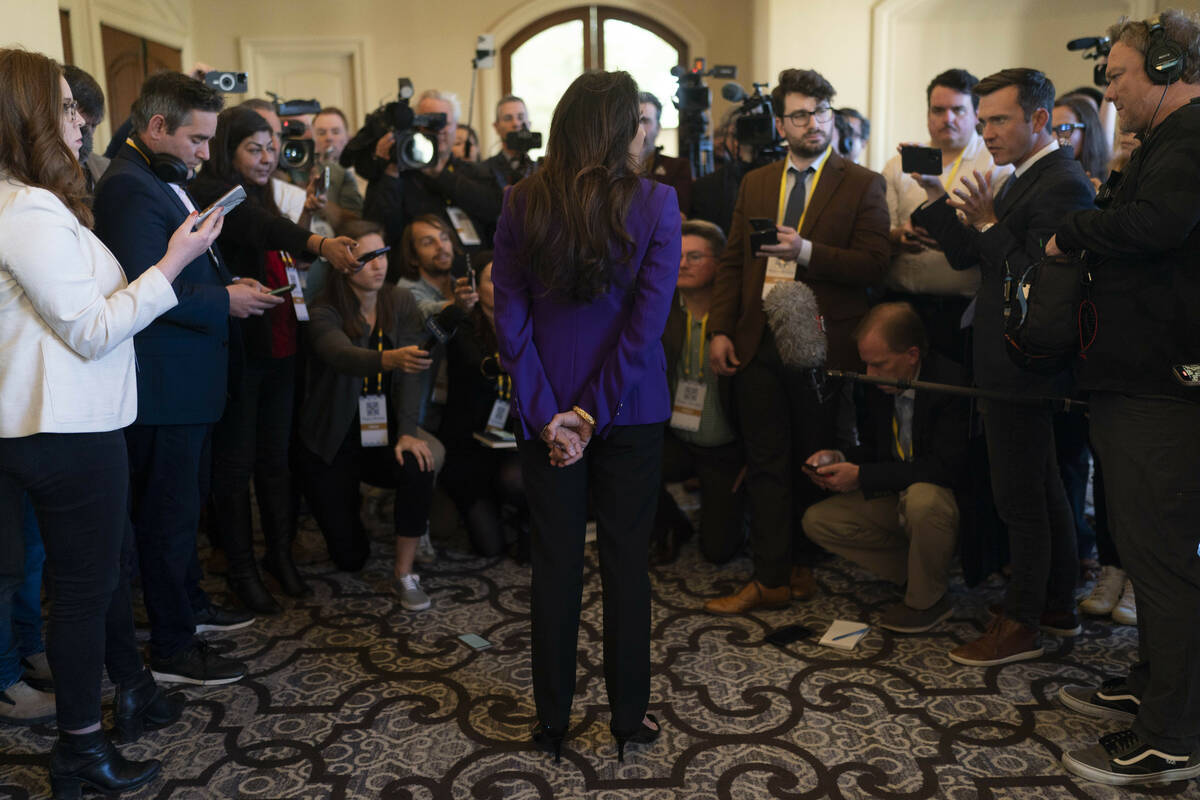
(586,257)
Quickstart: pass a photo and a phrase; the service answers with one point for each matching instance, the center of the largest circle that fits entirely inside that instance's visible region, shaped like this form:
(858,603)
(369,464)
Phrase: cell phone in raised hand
(228,201)
(921,160)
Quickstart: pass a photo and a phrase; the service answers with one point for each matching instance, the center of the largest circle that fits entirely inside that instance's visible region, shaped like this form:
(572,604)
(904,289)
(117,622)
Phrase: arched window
(542,59)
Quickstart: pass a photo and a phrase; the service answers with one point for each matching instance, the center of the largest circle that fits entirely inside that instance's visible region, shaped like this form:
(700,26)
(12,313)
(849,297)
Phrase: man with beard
(833,236)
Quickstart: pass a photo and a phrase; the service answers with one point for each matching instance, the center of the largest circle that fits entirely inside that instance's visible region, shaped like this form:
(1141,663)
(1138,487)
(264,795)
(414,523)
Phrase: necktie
(1000,194)
(795,203)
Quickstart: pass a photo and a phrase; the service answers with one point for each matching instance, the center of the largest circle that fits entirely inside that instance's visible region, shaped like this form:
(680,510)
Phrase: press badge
(372,420)
(778,271)
(689,405)
(499,416)
(463,226)
(293,277)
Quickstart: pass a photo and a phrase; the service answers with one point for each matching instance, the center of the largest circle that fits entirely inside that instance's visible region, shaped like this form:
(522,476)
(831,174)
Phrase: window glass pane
(648,58)
(543,68)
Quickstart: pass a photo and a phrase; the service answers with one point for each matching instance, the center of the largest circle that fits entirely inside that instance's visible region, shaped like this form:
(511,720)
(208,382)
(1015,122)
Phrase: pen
(851,633)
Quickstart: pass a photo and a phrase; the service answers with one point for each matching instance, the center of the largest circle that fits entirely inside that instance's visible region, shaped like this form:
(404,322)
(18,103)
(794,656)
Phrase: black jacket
(715,195)
(1145,252)
(939,436)
(1028,213)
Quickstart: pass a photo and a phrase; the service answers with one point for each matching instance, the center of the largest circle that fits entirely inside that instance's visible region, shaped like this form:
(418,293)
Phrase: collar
(814,166)
(973,146)
(1033,159)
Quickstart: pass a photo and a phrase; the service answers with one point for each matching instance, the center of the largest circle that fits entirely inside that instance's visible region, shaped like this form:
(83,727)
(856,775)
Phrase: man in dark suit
(509,166)
(182,369)
(1004,236)
(674,172)
(833,236)
(895,510)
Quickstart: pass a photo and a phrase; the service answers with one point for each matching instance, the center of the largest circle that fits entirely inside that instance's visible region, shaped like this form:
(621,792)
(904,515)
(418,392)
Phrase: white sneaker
(411,597)
(1105,593)
(425,553)
(1126,611)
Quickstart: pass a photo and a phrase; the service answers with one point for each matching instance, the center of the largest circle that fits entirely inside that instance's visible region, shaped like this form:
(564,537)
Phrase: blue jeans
(21,611)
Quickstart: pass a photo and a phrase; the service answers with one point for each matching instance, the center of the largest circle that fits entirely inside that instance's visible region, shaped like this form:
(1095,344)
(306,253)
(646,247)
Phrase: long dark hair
(234,126)
(1094,154)
(32,150)
(576,204)
(338,294)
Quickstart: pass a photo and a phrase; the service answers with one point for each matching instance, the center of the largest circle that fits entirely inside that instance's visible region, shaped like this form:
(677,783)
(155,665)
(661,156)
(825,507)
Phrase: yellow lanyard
(896,436)
(808,197)
(503,383)
(687,347)
(954,170)
(379,378)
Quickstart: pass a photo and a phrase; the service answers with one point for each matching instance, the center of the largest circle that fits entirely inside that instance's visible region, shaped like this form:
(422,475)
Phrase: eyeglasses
(1067,127)
(801,118)
(71,109)
(695,256)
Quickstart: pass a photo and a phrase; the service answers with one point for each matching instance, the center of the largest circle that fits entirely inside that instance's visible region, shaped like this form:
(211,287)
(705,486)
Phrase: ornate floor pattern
(351,697)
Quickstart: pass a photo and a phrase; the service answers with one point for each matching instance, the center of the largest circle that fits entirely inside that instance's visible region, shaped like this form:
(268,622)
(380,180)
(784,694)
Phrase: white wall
(33,25)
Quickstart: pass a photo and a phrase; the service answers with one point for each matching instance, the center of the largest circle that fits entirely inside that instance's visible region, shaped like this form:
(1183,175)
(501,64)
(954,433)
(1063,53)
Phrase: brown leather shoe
(751,596)
(803,584)
(1005,640)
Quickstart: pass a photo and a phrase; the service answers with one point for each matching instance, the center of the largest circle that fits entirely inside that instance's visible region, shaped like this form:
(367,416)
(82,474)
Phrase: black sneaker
(215,618)
(1122,758)
(903,618)
(1112,700)
(198,664)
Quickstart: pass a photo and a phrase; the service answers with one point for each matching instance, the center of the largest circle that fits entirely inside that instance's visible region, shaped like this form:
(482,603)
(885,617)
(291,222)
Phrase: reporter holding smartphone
(358,421)
(252,436)
(67,387)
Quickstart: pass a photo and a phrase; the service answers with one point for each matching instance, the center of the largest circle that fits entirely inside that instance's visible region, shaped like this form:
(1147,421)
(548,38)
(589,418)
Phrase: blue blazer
(183,356)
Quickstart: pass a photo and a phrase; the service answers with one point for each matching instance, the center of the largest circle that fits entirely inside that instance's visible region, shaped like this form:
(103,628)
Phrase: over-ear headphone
(165,166)
(1164,57)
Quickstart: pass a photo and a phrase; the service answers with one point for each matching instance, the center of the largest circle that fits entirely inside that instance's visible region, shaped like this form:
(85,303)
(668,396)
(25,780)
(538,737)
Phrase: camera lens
(226,82)
(292,154)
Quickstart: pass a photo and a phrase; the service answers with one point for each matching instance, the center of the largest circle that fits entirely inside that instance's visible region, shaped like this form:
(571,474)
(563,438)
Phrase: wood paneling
(128,59)
(64,19)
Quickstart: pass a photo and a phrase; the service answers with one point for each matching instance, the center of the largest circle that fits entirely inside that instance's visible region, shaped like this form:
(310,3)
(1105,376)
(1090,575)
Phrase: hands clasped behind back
(567,435)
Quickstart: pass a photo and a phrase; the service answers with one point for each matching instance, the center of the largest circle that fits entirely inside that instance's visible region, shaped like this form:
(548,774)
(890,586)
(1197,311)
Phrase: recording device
(788,634)
(522,141)
(809,468)
(441,327)
(475,641)
(282,290)
(227,201)
(693,98)
(295,152)
(415,148)
(921,160)
(228,82)
(762,231)
(367,258)
(1100,47)
(321,184)
(1187,374)
(755,125)
(796,321)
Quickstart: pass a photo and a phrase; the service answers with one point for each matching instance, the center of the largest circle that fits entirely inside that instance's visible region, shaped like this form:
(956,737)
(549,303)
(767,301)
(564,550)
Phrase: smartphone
(809,468)
(228,201)
(921,160)
(471,276)
(475,641)
(1187,374)
(367,258)
(788,634)
(282,290)
(321,184)
(762,232)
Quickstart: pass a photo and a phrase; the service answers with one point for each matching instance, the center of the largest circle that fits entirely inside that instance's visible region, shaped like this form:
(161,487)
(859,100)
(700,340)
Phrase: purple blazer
(605,356)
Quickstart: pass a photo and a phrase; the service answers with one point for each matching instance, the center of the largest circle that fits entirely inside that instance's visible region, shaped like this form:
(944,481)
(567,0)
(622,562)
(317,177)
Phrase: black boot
(279,529)
(230,519)
(89,759)
(140,704)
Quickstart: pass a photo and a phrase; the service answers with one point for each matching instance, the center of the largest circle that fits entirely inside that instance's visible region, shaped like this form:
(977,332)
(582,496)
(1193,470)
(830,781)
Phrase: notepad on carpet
(844,634)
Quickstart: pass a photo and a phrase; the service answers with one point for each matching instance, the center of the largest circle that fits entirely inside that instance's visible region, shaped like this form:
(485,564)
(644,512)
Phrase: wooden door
(64,21)
(128,59)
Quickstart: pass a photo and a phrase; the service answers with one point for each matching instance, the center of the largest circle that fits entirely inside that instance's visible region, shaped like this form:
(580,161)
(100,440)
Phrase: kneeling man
(896,512)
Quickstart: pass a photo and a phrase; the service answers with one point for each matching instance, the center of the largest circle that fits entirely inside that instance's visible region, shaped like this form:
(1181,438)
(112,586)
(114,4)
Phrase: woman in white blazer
(67,387)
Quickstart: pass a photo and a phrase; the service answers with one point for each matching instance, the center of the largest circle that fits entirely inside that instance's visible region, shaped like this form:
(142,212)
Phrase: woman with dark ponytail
(586,258)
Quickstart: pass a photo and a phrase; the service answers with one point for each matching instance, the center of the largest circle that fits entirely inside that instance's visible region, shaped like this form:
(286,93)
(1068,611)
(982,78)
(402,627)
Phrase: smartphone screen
(475,641)
(228,201)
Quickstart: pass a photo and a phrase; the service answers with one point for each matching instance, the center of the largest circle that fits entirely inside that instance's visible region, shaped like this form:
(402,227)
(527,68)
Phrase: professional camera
(415,148)
(228,82)
(755,123)
(693,98)
(1100,46)
(522,141)
(295,152)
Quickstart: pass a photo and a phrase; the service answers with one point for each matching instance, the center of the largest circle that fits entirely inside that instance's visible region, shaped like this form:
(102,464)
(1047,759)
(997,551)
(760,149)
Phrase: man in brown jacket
(833,235)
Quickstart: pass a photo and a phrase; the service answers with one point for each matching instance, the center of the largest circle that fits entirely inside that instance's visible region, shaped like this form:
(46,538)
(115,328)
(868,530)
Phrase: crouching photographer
(1143,253)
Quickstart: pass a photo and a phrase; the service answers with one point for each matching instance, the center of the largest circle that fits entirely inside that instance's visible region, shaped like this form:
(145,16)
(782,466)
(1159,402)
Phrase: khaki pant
(907,538)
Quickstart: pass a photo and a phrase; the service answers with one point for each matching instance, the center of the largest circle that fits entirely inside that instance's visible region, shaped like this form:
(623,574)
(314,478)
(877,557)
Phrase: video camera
(414,148)
(295,152)
(755,123)
(693,98)
(522,141)
(1100,46)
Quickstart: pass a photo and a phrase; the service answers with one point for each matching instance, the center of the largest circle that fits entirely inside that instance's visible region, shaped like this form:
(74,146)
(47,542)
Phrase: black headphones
(165,166)
(1164,57)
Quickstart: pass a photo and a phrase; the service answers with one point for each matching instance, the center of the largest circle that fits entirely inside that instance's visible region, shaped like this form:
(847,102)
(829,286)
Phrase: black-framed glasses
(801,118)
(71,109)
(1067,127)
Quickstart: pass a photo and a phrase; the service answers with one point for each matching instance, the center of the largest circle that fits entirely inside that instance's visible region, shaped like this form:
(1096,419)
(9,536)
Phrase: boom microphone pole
(1065,404)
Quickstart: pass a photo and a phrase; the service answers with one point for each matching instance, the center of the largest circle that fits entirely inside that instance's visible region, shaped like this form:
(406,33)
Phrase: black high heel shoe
(549,740)
(643,735)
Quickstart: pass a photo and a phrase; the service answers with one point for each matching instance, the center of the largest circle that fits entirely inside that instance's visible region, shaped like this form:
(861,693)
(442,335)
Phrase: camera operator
(448,188)
(674,172)
(466,144)
(509,166)
(1143,249)
(715,194)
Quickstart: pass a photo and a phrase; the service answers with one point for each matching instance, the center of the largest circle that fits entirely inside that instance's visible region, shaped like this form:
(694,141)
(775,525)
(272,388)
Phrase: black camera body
(1100,47)
(415,148)
(228,82)
(522,141)
(755,125)
(296,153)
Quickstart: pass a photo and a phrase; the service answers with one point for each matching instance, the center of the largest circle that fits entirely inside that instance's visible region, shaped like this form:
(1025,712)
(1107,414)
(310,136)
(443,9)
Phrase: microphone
(1086,42)
(733,93)
(441,327)
(797,323)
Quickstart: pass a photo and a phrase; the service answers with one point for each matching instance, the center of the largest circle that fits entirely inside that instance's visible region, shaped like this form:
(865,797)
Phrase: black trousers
(79,486)
(1030,499)
(333,497)
(169,471)
(722,510)
(786,416)
(622,471)
(1150,448)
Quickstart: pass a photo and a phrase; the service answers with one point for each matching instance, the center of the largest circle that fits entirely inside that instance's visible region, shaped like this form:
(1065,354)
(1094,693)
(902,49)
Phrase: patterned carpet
(351,697)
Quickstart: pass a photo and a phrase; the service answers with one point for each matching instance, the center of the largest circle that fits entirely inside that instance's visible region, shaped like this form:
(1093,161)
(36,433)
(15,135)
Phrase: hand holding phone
(921,160)
(228,201)
(367,258)
(762,232)
(282,290)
